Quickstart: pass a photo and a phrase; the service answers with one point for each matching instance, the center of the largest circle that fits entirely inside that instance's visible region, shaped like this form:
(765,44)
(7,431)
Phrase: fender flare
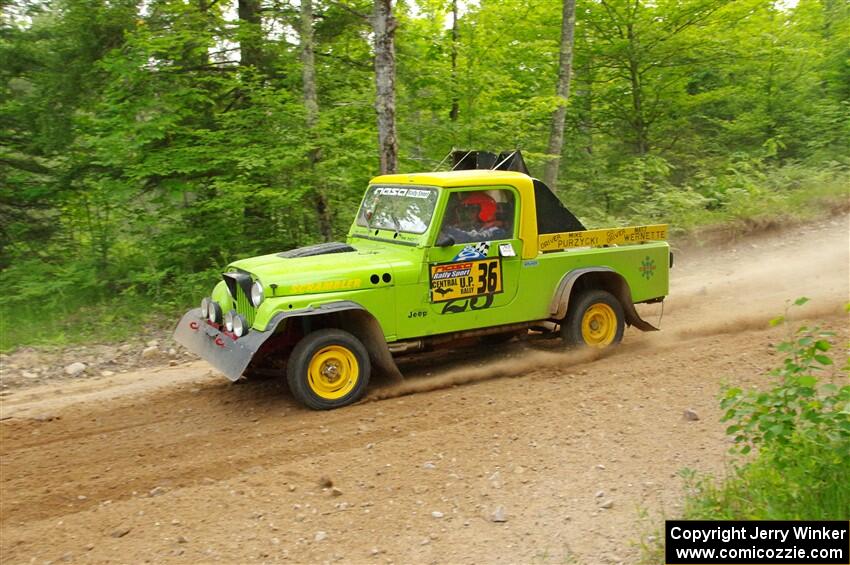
(356,320)
(615,284)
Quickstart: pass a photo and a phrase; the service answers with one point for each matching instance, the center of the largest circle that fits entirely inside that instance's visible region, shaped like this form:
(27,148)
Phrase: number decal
(457,281)
(458,306)
(482,278)
(474,305)
(494,276)
(488,277)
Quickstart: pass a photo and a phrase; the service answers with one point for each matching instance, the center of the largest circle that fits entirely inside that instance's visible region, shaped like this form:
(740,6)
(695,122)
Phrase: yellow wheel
(594,319)
(333,372)
(327,369)
(599,325)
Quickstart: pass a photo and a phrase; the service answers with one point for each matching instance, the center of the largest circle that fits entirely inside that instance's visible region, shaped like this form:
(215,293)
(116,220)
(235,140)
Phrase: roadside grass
(803,481)
(112,321)
(786,208)
(650,544)
(102,316)
(801,429)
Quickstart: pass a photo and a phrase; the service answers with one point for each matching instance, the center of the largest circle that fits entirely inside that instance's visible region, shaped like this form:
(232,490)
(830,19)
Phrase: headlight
(228,320)
(257,294)
(214,313)
(205,307)
(240,325)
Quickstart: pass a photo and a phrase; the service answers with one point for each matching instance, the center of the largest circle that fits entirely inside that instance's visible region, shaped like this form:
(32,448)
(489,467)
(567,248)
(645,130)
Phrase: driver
(476,220)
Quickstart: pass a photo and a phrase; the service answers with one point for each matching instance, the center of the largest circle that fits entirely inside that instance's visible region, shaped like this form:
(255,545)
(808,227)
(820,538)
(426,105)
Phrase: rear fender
(602,278)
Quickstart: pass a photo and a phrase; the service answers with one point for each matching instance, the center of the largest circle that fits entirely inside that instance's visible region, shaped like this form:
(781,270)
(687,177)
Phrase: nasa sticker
(408,192)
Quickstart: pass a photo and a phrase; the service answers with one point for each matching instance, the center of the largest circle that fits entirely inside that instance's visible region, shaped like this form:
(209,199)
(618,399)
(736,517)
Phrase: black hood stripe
(318,249)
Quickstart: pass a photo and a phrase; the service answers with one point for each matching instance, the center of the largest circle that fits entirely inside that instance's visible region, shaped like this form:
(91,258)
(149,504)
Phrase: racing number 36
(488,277)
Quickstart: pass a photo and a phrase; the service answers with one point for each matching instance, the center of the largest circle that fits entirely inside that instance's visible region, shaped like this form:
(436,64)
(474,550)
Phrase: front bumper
(228,355)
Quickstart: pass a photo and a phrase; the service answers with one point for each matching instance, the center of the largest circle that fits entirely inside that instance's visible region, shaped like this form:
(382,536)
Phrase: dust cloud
(743,286)
(530,361)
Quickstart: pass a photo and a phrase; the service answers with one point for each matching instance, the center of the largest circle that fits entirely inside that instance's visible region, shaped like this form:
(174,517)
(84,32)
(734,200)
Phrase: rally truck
(483,250)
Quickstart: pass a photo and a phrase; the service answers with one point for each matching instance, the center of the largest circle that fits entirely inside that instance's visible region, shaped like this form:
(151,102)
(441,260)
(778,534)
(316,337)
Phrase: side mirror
(445,241)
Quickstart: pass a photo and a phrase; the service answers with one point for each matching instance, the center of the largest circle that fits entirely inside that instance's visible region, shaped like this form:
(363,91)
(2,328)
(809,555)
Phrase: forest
(144,144)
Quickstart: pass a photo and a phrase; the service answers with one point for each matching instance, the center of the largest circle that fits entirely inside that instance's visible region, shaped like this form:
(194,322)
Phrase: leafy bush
(794,406)
(801,428)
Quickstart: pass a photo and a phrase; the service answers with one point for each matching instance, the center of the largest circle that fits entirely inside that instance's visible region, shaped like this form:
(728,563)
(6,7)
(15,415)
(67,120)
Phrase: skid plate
(228,355)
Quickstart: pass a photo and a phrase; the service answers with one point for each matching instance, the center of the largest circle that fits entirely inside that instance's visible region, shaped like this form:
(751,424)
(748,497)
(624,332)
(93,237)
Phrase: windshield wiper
(395,223)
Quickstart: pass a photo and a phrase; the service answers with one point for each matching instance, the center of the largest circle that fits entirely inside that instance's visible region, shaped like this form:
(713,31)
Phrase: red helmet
(486,205)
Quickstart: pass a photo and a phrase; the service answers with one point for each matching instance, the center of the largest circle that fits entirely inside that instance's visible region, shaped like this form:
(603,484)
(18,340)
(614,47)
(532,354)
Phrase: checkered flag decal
(482,248)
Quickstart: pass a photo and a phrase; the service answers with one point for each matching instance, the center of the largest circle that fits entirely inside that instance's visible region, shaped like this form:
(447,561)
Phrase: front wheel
(595,319)
(328,369)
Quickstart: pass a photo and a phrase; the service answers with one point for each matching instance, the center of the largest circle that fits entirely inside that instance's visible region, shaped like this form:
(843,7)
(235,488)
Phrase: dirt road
(528,455)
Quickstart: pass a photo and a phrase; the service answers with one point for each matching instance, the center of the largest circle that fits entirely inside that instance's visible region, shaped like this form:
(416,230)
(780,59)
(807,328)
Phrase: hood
(309,270)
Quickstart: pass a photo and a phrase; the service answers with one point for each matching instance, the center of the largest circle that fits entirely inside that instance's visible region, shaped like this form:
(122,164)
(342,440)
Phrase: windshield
(402,209)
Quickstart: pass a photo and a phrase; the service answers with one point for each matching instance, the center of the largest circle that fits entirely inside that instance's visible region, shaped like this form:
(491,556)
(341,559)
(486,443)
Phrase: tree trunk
(250,36)
(308,62)
(556,133)
(453,113)
(311,105)
(384,25)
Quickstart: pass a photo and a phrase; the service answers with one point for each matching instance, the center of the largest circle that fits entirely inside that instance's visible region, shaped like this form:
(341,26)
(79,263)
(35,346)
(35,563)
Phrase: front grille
(244,306)
(239,285)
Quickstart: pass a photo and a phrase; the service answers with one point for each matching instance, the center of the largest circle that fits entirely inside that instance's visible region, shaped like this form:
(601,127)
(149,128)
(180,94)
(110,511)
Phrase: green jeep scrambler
(430,258)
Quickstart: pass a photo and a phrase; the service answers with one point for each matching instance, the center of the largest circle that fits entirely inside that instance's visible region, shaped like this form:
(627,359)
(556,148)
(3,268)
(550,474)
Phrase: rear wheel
(595,319)
(328,369)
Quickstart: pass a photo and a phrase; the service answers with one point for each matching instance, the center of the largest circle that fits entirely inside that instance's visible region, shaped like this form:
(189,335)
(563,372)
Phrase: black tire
(601,306)
(304,385)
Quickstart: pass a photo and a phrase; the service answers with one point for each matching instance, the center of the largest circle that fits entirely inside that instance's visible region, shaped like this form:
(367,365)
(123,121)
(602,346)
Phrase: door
(473,268)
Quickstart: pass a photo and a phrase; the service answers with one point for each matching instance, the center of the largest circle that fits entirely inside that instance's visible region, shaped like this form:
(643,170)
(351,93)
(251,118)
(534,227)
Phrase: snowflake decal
(647,268)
